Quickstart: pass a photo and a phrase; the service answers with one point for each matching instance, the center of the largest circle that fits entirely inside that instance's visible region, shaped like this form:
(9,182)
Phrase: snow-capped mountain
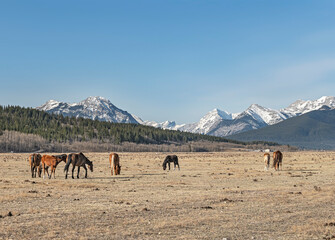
(301,107)
(262,114)
(171,125)
(222,123)
(206,123)
(96,108)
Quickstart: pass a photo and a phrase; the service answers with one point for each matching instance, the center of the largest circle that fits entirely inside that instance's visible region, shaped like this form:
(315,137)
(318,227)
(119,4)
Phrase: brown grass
(213,196)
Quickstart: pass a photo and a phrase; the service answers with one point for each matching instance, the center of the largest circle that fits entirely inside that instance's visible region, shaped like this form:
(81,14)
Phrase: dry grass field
(214,196)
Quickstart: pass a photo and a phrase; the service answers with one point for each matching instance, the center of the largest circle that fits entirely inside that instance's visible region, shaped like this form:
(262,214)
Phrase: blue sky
(167,60)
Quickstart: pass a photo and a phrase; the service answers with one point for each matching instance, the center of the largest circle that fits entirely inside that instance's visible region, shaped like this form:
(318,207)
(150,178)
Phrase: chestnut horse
(52,162)
(35,163)
(277,160)
(114,162)
(266,161)
(79,160)
(171,158)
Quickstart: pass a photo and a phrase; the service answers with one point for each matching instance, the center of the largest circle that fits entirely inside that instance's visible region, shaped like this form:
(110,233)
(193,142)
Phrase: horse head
(164,163)
(167,159)
(64,157)
(90,166)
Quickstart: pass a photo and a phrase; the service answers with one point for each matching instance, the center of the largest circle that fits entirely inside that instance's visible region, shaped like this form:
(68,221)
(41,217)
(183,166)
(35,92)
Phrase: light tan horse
(35,163)
(266,161)
(114,162)
(277,160)
(52,162)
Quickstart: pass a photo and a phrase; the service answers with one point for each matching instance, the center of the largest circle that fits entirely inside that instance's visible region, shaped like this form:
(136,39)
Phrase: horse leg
(39,170)
(54,172)
(73,171)
(114,169)
(169,165)
(52,169)
(85,171)
(78,171)
(47,169)
(43,166)
(35,171)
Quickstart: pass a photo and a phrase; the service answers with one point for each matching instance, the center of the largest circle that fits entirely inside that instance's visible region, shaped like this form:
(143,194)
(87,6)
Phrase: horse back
(79,159)
(114,158)
(49,160)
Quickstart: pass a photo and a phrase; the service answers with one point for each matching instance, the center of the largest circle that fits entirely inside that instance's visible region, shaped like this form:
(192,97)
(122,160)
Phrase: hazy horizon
(167,60)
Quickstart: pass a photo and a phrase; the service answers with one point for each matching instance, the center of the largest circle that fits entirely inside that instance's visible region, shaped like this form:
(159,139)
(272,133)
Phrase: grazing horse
(277,160)
(35,163)
(79,160)
(52,162)
(169,159)
(114,162)
(266,161)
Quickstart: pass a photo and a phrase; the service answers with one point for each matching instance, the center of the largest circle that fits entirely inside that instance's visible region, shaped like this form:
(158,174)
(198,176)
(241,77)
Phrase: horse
(266,161)
(169,159)
(277,160)
(114,162)
(52,162)
(79,160)
(35,163)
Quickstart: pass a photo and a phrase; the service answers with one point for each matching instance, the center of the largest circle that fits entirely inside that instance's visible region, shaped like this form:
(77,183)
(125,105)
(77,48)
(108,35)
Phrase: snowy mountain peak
(96,101)
(301,107)
(262,114)
(96,108)
(220,113)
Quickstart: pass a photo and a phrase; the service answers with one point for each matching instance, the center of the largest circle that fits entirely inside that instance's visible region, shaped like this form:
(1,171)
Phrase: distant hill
(313,130)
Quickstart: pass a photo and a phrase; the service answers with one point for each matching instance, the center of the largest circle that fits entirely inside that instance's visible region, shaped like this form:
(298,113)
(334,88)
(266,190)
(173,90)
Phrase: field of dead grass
(213,196)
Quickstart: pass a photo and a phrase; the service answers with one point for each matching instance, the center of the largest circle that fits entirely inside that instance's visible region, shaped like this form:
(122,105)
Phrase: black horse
(79,160)
(169,159)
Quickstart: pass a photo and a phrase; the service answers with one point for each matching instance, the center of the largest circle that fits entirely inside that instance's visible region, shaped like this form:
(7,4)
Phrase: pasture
(213,196)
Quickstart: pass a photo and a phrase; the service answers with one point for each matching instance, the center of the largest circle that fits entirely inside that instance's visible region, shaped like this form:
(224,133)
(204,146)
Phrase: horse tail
(69,158)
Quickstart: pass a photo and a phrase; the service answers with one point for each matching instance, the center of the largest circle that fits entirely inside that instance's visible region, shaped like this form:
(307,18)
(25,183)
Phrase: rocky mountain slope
(95,108)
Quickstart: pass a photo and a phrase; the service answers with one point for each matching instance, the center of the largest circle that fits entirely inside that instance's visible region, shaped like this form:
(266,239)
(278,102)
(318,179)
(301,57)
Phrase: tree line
(61,129)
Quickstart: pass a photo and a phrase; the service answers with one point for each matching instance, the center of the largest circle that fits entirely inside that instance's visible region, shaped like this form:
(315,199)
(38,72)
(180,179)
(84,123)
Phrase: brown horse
(79,160)
(35,163)
(114,162)
(277,160)
(52,162)
(266,161)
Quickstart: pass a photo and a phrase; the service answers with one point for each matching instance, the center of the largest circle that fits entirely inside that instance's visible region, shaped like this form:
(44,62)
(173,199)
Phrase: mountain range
(216,122)
(312,130)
